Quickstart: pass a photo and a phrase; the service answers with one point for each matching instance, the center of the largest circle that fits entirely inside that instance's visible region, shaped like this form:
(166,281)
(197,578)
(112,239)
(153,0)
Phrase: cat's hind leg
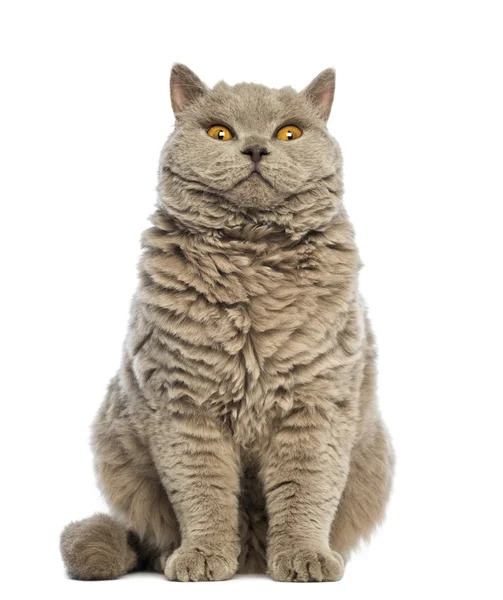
(144,529)
(363,502)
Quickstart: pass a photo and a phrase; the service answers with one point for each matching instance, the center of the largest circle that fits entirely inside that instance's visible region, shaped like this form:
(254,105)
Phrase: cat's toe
(306,565)
(199,564)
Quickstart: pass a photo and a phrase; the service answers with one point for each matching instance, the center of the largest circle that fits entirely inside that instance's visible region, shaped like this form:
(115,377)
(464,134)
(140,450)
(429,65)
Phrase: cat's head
(249,152)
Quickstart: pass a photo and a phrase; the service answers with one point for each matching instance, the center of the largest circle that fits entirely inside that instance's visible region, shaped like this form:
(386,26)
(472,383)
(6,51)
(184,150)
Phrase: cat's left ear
(185,87)
(321,92)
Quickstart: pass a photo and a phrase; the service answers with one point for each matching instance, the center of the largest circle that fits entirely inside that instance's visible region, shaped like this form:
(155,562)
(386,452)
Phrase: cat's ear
(321,92)
(185,87)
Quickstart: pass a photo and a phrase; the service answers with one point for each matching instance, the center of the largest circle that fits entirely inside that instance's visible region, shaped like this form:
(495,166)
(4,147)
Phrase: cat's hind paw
(306,565)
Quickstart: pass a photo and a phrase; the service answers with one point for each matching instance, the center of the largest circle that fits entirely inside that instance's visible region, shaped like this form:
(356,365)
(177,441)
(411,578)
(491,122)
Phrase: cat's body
(242,429)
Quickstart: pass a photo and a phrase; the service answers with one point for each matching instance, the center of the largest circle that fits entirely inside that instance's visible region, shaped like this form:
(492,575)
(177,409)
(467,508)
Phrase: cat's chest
(265,313)
(255,301)
(233,324)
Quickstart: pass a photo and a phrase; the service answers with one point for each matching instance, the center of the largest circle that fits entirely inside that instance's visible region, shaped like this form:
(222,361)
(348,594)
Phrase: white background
(84,111)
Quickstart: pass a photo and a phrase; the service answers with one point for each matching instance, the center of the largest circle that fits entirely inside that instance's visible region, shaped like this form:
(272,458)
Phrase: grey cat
(241,432)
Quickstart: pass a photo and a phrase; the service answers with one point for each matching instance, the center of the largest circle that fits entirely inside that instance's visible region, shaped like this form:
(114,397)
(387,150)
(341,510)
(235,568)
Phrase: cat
(241,433)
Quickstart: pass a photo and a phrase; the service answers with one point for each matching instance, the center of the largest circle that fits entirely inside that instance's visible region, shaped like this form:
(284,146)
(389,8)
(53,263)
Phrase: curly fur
(242,430)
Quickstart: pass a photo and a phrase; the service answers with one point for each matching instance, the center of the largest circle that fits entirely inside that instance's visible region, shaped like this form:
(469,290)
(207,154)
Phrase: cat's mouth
(256,175)
(253,190)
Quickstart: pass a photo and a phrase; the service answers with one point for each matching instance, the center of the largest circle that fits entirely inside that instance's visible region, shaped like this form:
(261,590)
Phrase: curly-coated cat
(242,432)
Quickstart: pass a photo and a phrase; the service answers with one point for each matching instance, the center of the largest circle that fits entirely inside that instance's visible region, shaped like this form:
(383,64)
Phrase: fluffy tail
(100,547)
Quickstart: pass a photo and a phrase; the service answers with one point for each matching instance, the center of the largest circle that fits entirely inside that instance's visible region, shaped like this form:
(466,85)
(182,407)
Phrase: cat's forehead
(250,105)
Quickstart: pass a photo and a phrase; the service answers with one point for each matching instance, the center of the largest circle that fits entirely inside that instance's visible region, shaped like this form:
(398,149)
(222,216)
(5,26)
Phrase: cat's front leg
(304,471)
(200,470)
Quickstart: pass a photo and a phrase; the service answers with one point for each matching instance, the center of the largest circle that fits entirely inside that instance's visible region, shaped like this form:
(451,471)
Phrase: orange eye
(288,133)
(219,132)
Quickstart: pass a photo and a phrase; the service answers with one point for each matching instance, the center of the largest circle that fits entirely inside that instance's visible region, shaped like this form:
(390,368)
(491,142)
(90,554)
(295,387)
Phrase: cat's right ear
(185,87)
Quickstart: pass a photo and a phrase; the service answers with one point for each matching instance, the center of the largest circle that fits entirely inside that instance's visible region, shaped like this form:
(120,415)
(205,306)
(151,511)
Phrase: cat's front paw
(306,565)
(198,564)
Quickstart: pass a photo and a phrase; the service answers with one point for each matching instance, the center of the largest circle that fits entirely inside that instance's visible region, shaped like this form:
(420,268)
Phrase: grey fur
(242,431)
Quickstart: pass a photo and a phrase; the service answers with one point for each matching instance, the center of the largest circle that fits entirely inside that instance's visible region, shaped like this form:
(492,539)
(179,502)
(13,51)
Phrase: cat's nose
(255,152)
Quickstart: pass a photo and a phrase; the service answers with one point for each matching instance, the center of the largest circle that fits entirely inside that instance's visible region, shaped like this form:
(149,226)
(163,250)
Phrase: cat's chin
(254,192)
